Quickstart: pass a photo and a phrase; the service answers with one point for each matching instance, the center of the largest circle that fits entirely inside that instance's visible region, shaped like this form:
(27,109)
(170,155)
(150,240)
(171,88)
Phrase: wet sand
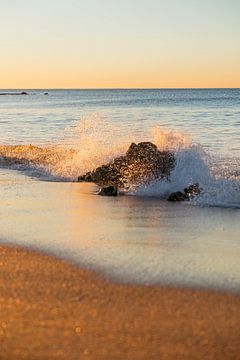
(50,309)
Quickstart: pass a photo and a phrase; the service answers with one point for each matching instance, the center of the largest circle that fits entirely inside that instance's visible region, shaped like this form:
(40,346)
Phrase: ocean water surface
(46,141)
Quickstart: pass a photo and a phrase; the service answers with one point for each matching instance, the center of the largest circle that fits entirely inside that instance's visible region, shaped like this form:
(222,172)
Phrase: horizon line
(121,88)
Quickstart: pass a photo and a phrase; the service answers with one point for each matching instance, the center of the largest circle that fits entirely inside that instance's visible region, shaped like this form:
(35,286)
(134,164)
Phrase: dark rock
(192,190)
(177,196)
(142,150)
(46,93)
(108,191)
(86,177)
(189,193)
(142,163)
(19,93)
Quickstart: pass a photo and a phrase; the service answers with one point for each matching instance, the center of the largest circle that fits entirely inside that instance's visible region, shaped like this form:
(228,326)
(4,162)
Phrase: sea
(50,137)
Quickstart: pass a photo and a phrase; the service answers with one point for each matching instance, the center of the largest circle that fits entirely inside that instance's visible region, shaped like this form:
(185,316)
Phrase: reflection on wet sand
(137,239)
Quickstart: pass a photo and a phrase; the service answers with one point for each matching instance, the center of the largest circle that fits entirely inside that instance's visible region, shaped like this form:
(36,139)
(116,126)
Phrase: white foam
(92,142)
(193,166)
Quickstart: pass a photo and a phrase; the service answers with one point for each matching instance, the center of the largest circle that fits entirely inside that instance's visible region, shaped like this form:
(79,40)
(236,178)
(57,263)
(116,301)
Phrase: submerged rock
(189,193)
(142,163)
(177,196)
(108,191)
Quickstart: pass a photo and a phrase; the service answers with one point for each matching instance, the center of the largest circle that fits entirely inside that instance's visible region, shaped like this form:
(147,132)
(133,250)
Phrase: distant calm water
(210,117)
(140,237)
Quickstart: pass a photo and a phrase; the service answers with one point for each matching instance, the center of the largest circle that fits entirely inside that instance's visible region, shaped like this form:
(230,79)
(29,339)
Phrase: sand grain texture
(50,309)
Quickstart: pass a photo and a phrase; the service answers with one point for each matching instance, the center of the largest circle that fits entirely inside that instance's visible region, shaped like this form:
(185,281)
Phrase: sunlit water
(139,237)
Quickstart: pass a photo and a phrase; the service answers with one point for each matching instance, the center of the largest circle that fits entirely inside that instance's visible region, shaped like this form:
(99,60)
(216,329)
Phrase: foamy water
(140,237)
(89,144)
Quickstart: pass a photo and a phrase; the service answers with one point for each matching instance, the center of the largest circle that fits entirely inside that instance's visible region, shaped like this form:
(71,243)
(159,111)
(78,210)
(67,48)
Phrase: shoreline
(51,309)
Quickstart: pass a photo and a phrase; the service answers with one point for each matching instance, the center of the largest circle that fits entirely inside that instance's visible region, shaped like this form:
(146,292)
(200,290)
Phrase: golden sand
(50,309)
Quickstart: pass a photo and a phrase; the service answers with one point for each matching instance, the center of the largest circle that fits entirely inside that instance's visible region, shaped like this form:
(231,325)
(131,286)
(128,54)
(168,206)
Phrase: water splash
(193,165)
(93,142)
(82,148)
(169,140)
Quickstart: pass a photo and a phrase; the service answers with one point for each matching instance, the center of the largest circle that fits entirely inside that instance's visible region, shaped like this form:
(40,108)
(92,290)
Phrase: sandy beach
(51,309)
(120,180)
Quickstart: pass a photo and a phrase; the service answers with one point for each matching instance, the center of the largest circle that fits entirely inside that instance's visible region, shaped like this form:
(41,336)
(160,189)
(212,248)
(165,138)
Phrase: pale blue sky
(113,43)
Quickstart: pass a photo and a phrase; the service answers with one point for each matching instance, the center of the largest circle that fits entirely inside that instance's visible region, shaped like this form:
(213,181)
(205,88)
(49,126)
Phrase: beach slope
(50,309)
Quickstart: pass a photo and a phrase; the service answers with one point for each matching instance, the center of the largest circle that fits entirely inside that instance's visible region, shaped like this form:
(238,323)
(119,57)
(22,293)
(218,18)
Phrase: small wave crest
(193,165)
(90,143)
(93,142)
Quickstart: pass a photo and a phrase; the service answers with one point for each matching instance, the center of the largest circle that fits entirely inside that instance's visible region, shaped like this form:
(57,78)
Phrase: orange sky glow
(113,44)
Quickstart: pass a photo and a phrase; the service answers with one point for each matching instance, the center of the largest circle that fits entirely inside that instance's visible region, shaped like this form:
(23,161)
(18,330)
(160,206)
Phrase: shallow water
(140,237)
(210,117)
(131,238)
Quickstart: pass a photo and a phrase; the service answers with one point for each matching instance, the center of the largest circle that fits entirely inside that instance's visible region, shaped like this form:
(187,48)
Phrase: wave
(193,165)
(92,143)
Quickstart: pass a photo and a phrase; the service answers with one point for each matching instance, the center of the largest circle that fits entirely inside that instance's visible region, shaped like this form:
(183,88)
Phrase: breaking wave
(193,165)
(92,143)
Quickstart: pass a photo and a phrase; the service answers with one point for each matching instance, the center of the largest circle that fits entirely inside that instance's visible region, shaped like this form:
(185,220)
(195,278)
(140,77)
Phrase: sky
(119,43)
